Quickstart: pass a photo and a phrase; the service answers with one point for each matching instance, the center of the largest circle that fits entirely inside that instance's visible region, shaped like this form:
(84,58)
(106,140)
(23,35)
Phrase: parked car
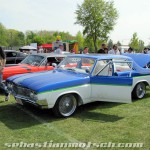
(80,79)
(141,59)
(33,63)
(14,57)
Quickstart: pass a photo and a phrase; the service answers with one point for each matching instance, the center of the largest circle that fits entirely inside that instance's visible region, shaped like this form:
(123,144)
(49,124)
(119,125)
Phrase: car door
(106,86)
(11,57)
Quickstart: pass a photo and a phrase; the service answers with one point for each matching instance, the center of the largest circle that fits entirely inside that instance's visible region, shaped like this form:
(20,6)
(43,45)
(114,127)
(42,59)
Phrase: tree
(15,38)
(80,39)
(110,44)
(30,35)
(134,42)
(39,40)
(141,45)
(118,43)
(3,35)
(97,18)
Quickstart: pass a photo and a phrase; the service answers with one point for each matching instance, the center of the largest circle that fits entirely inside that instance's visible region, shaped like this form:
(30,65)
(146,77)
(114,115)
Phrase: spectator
(81,50)
(86,50)
(130,50)
(114,51)
(60,49)
(57,43)
(148,52)
(145,50)
(2,65)
(41,50)
(105,50)
(101,50)
(72,51)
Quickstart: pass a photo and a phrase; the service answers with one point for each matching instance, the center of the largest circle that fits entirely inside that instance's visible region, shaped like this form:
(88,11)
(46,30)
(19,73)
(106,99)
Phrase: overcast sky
(59,15)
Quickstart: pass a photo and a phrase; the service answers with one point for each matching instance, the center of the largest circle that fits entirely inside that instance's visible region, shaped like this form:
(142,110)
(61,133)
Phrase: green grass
(95,122)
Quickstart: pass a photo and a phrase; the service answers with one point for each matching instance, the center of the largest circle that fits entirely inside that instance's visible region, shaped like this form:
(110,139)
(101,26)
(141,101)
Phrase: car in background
(14,57)
(80,79)
(33,63)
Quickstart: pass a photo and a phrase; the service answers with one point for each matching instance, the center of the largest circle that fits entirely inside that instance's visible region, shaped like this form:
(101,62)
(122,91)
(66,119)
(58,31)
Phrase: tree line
(97,17)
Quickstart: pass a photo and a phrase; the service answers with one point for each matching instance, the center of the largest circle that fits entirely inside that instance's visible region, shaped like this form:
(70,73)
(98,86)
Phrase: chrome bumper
(39,103)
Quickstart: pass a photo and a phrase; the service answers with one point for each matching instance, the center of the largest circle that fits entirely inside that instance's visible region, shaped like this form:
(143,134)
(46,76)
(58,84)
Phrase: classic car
(141,59)
(14,57)
(80,79)
(33,63)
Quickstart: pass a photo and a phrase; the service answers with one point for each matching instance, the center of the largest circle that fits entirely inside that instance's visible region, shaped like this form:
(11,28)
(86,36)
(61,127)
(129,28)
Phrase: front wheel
(139,91)
(65,106)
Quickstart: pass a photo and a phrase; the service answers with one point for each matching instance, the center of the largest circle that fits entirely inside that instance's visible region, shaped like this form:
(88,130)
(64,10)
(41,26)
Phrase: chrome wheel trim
(67,105)
(140,90)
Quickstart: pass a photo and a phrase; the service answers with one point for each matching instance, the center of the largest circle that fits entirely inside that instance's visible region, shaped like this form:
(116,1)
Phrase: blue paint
(112,80)
(141,59)
(51,80)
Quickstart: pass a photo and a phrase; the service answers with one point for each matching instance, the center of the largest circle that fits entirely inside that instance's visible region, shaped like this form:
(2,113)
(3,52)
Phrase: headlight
(33,95)
(10,85)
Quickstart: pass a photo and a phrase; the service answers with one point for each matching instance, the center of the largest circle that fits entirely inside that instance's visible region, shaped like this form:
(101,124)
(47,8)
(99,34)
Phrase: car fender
(75,93)
(136,81)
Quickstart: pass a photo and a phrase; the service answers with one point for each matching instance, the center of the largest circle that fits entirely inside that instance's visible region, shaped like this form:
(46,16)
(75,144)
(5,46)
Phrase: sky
(59,15)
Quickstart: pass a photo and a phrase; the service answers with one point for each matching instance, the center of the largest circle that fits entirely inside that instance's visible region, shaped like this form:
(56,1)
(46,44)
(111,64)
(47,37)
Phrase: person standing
(130,50)
(114,51)
(102,49)
(60,49)
(2,65)
(57,43)
(148,52)
(86,50)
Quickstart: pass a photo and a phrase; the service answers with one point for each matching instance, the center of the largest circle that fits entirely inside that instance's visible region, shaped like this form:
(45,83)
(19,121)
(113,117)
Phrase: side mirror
(87,70)
(54,65)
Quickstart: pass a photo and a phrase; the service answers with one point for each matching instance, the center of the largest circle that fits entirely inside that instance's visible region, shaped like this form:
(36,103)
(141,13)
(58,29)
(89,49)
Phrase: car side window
(106,71)
(11,54)
(21,55)
(103,68)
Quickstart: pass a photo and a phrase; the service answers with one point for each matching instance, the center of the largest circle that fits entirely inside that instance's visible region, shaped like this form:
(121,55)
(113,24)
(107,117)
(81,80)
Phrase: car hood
(50,80)
(16,67)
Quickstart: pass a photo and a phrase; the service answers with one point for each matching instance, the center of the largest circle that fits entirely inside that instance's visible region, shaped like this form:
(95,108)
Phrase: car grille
(21,91)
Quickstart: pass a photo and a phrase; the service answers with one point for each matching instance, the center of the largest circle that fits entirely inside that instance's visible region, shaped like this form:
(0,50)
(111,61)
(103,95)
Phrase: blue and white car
(81,79)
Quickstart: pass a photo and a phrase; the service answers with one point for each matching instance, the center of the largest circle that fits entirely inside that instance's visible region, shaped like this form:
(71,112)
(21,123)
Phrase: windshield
(77,64)
(34,60)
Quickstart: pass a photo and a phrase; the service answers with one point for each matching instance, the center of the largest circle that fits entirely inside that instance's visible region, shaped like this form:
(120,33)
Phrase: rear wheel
(139,91)
(65,106)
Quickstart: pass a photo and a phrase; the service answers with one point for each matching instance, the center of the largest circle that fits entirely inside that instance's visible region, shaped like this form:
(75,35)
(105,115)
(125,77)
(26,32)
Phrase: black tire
(139,91)
(65,106)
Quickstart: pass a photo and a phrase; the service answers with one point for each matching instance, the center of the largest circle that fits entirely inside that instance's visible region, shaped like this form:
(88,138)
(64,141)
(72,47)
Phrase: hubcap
(67,105)
(140,90)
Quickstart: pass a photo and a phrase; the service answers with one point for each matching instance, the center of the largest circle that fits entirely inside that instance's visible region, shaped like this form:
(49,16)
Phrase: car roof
(100,56)
(49,55)
(140,58)
(10,50)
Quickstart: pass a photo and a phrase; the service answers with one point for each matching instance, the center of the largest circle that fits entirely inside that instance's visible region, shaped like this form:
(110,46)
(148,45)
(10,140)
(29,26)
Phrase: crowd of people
(103,50)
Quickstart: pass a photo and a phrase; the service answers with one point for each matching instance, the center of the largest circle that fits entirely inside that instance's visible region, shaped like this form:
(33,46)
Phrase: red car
(33,63)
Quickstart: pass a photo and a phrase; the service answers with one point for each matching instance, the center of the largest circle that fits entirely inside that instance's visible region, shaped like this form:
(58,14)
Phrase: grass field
(97,122)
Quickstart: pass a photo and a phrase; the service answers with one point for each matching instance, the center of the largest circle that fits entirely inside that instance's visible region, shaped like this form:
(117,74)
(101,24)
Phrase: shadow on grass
(89,112)
(16,117)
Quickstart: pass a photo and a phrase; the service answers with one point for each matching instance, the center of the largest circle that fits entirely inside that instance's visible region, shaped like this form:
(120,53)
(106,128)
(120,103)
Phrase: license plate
(19,101)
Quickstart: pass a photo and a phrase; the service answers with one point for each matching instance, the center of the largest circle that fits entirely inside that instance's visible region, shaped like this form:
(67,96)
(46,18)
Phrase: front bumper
(38,103)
